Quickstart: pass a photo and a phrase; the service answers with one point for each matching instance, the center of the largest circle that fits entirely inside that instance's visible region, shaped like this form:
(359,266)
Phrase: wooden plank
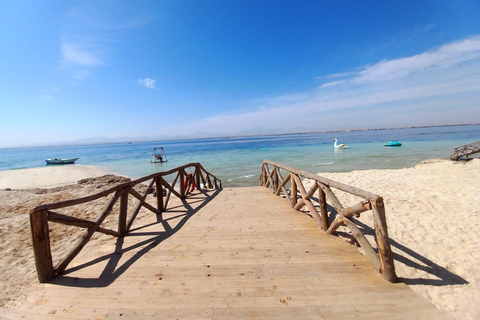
(230,259)
(69,220)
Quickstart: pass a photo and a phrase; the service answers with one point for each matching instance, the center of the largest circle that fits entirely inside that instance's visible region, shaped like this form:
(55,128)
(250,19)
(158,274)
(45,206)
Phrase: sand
(433,219)
(432,215)
(48,176)
(17,267)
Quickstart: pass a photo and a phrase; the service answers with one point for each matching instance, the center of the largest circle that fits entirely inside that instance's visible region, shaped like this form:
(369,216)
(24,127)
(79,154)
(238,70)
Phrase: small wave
(323,164)
(242,177)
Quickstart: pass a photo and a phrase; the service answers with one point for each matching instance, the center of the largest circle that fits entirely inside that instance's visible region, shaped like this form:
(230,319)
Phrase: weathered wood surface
(72,202)
(41,245)
(87,235)
(338,185)
(383,262)
(69,220)
(40,215)
(464,151)
(245,254)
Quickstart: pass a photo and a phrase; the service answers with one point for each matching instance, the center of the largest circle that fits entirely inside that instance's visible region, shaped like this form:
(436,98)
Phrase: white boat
(61,161)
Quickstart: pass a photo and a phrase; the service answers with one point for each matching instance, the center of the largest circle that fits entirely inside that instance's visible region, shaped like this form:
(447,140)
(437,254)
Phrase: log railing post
(383,242)
(275,179)
(182,185)
(158,186)
(264,175)
(322,201)
(203,178)
(41,245)
(260,178)
(122,218)
(268,177)
(198,182)
(293,190)
(209,181)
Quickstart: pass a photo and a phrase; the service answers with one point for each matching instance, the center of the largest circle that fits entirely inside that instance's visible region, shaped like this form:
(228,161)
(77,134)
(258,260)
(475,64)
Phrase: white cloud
(77,54)
(447,56)
(336,75)
(441,86)
(147,83)
(79,58)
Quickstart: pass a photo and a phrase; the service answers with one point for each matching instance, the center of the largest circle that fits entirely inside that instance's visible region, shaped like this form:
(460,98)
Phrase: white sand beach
(17,265)
(432,215)
(433,212)
(48,176)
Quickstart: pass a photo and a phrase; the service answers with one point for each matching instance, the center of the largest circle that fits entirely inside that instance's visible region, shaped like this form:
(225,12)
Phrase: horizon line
(76,143)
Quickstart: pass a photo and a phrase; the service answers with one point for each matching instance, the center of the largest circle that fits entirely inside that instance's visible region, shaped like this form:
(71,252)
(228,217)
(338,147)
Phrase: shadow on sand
(407,256)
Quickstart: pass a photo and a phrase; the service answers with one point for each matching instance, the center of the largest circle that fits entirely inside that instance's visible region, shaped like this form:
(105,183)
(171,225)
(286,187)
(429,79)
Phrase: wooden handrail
(383,260)
(41,215)
(337,185)
(104,193)
(465,151)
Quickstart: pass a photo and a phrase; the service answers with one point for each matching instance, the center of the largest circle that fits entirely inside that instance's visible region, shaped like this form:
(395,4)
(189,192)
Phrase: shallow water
(237,161)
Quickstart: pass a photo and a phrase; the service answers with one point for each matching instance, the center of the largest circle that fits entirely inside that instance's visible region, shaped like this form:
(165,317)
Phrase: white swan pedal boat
(339,146)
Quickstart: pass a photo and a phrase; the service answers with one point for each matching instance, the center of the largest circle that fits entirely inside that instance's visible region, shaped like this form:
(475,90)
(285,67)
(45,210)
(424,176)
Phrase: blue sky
(142,70)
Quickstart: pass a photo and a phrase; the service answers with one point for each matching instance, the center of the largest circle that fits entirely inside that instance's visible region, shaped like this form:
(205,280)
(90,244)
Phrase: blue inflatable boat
(392,144)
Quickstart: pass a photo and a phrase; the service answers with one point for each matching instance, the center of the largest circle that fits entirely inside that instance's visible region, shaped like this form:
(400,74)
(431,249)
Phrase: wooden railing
(41,215)
(465,151)
(273,179)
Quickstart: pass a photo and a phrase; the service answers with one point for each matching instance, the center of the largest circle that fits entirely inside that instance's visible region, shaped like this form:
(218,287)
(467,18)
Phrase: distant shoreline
(73,143)
(345,130)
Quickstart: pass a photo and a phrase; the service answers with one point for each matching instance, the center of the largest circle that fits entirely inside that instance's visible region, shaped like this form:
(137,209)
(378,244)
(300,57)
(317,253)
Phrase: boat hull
(61,161)
(392,144)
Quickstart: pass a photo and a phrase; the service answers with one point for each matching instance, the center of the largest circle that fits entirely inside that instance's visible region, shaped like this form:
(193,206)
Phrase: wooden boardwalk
(463,152)
(244,254)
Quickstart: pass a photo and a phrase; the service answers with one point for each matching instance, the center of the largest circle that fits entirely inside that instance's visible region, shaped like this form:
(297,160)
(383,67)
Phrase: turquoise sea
(237,161)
